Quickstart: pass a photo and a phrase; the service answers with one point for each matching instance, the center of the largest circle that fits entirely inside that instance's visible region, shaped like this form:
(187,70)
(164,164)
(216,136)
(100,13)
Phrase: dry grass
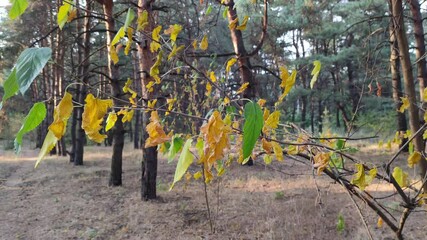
(60,201)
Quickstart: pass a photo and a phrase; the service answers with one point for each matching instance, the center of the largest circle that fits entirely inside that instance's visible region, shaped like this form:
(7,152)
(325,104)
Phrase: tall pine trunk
(408,80)
(396,82)
(114,74)
(84,53)
(149,155)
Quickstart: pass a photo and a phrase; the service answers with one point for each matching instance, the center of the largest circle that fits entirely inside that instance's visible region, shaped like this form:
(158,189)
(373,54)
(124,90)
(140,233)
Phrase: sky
(4,3)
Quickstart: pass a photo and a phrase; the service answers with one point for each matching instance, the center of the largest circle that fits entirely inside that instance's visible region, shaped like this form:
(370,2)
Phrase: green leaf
(224,14)
(339,144)
(199,146)
(62,16)
(129,18)
(29,64)
(254,122)
(336,162)
(36,115)
(10,87)
(340,223)
(184,161)
(209,10)
(176,145)
(18,8)
(315,73)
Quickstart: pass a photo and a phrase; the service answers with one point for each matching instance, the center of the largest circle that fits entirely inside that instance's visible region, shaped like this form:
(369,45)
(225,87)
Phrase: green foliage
(18,8)
(29,64)
(175,146)
(340,223)
(62,16)
(36,115)
(184,161)
(252,128)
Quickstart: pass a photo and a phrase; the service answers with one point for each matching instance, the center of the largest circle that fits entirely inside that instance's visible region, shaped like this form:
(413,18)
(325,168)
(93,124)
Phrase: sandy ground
(281,201)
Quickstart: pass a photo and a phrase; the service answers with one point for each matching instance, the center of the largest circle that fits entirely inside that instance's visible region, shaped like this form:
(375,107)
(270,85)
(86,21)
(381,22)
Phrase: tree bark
(84,62)
(420,48)
(408,79)
(113,72)
(396,83)
(243,60)
(149,155)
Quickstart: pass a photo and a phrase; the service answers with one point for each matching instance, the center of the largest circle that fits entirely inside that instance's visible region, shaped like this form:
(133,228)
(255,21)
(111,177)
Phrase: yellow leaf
(128,83)
(216,138)
(204,43)
(267,159)
(61,114)
(315,73)
(380,144)
(405,104)
(113,54)
(362,180)
(129,42)
(242,88)
(278,152)
(93,114)
(156,134)
(425,94)
(380,223)
(155,43)
(127,115)
(188,176)
(150,86)
(197,175)
(170,102)
(273,120)
(321,161)
(266,145)
(284,75)
(208,89)
(173,31)
(174,51)
(401,177)
(119,35)
(48,144)
(226,101)
(242,26)
(261,102)
(232,25)
(212,76)
(293,150)
(142,20)
(230,63)
(72,15)
(154,70)
(290,82)
(414,159)
(194,44)
(152,104)
(111,120)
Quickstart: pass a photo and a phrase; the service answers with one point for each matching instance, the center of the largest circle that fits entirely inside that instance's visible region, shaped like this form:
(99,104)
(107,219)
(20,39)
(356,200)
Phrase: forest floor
(280,201)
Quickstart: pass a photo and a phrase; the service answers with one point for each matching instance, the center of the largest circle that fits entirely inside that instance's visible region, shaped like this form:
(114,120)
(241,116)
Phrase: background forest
(337,87)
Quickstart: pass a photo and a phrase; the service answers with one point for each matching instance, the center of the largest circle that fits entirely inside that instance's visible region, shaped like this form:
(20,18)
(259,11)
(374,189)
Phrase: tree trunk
(420,48)
(408,80)
(149,155)
(245,68)
(84,53)
(113,71)
(396,83)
